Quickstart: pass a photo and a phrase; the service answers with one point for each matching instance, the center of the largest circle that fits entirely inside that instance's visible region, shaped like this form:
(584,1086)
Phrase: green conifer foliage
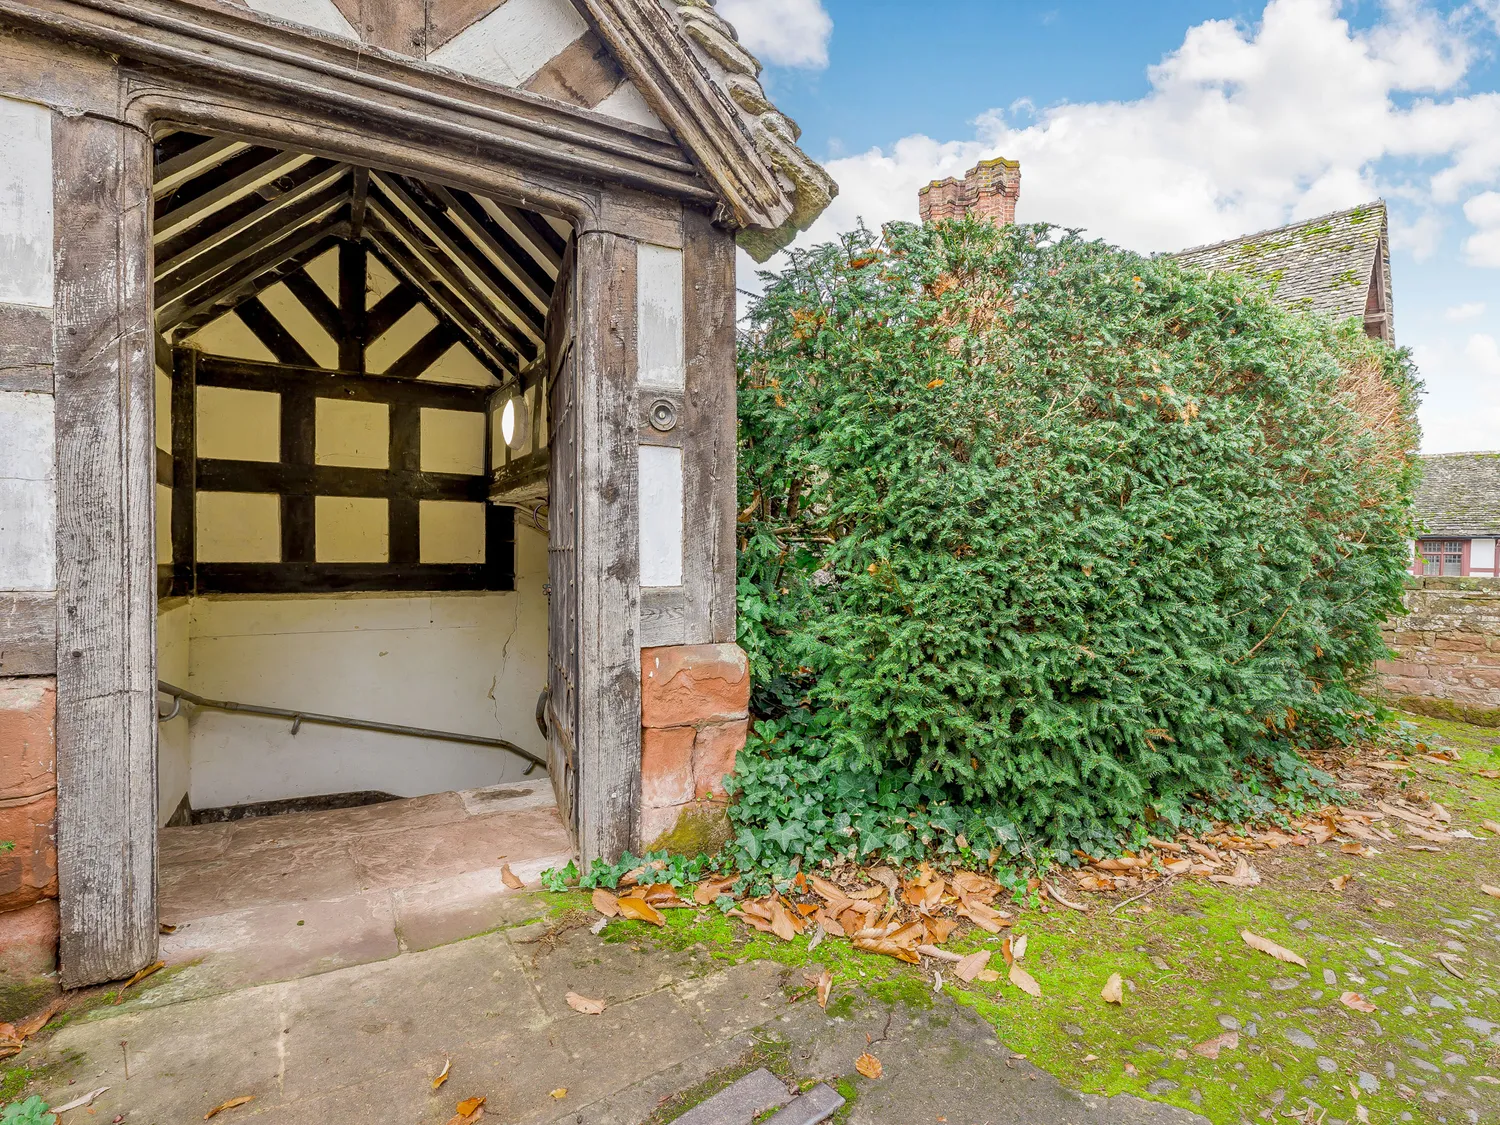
(1039,536)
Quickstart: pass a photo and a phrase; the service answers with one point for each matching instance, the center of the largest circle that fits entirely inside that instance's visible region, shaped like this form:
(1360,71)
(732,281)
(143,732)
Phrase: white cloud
(1484,354)
(1243,128)
(1482,248)
(1467,311)
(782,32)
(1461,409)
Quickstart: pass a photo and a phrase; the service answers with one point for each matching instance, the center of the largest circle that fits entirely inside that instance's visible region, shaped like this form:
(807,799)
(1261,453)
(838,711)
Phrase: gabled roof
(1325,265)
(1459,495)
(672,65)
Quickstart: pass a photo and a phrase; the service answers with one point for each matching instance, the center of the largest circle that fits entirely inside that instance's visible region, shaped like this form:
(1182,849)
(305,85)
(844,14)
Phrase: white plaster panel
(472,663)
(238,425)
(28,492)
(627,104)
(1481,554)
(163,410)
(352,433)
(25,204)
(513,42)
(228,336)
(238,527)
(173,747)
(458,365)
(659,283)
(301,324)
(661,515)
(393,343)
(163,524)
(319,14)
(452,441)
(450,531)
(324,269)
(351,529)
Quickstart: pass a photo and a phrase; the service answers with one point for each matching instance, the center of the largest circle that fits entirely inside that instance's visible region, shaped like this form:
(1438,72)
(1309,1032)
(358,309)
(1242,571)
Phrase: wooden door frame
(615,184)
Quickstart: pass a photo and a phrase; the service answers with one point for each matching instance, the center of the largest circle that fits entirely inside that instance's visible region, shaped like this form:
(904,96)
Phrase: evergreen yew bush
(1041,540)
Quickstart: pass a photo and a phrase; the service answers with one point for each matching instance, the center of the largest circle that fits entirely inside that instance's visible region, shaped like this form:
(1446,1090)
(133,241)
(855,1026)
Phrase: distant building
(1337,264)
(1458,515)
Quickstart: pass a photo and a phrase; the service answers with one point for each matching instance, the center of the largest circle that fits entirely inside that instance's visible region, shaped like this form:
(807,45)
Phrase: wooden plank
(184,470)
(425,352)
(248,282)
(221,475)
(189,272)
(247,216)
(523,479)
(28,633)
(608,557)
(353,334)
(539,240)
(250,375)
(708,430)
(316,302)
(448,287)
(292,578)
(404,510)
(25,348)
(391,308)
(298,451)
(177,170)
(106,620)
(293,249)
(273,334)
(278,164)
(359,196)
(521,274)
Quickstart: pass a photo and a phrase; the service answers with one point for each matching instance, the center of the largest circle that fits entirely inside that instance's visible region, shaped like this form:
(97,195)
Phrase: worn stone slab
(741,1102)
(817,1104)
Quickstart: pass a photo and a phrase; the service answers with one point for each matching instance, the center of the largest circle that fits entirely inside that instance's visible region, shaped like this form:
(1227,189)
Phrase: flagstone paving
(1210,1029)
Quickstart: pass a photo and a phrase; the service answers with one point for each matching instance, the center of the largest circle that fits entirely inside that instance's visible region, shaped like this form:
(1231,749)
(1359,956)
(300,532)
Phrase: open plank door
(564,472)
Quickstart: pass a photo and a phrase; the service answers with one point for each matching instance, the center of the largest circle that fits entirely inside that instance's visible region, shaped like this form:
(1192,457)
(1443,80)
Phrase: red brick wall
(695,702)
(1447,649)
(28,819)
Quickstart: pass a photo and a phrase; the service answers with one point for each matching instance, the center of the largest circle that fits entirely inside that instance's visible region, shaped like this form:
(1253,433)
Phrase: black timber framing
(297,479)
(184,469)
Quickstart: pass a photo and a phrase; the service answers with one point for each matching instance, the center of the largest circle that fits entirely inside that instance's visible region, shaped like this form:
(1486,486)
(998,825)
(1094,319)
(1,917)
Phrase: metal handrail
(182,695)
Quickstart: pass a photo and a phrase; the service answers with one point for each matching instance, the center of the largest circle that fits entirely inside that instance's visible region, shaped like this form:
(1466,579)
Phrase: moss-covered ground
(1429,1052)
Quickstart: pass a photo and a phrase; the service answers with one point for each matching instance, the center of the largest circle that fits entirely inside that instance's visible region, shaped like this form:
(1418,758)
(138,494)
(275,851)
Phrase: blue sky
(1170,123)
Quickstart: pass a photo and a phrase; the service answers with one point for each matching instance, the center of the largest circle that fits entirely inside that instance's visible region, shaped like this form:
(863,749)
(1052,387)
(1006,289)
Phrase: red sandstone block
(28,710)
(1459,642)
(657,821)
(666,766)
(28,873)
(683,684)
(1401,668)
(28,939)
(714,752)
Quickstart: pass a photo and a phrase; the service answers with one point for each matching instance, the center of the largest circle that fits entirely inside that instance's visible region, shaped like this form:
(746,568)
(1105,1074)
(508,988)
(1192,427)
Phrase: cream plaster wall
(173,747)
(472,663)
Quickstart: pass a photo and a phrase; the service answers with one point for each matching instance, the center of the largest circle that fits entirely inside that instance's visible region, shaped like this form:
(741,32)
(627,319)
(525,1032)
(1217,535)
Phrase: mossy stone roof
(1321,265)
(1460,495)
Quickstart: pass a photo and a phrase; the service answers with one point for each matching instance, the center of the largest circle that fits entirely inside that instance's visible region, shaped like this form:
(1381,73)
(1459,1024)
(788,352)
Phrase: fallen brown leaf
(1244,875)
(825,986)
(1210,1048)
(1114,990)
(1357,1002)
(443,1077)
(469,1105)
(1384,902)
(510,878)
(243,1099)
(32,1024)
(989,976)
(1490,826)
(1057,896)
(78,1102)
(605,902)
(166,928)
(1361,850)
(1339,882)
(584,1004)
(888,947)
(1024,981)
(1266,946)
(640,910)
(707,891)
(1493,892)
(141,975)
(560,1093)
(972,965)
(868,1065)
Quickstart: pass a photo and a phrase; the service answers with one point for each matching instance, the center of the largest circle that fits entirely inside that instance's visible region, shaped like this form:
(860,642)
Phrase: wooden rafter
(200,206)
(272,333)
(295,249)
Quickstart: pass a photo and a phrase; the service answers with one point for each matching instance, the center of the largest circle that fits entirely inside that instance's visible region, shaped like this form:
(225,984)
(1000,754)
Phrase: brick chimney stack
(987,191)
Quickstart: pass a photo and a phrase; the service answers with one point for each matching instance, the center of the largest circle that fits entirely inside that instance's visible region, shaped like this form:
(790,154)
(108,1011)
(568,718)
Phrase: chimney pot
(988,191)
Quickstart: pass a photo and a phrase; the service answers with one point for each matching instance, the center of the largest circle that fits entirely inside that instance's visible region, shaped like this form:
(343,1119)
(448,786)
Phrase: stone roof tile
(1459,495)
(1320,265)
